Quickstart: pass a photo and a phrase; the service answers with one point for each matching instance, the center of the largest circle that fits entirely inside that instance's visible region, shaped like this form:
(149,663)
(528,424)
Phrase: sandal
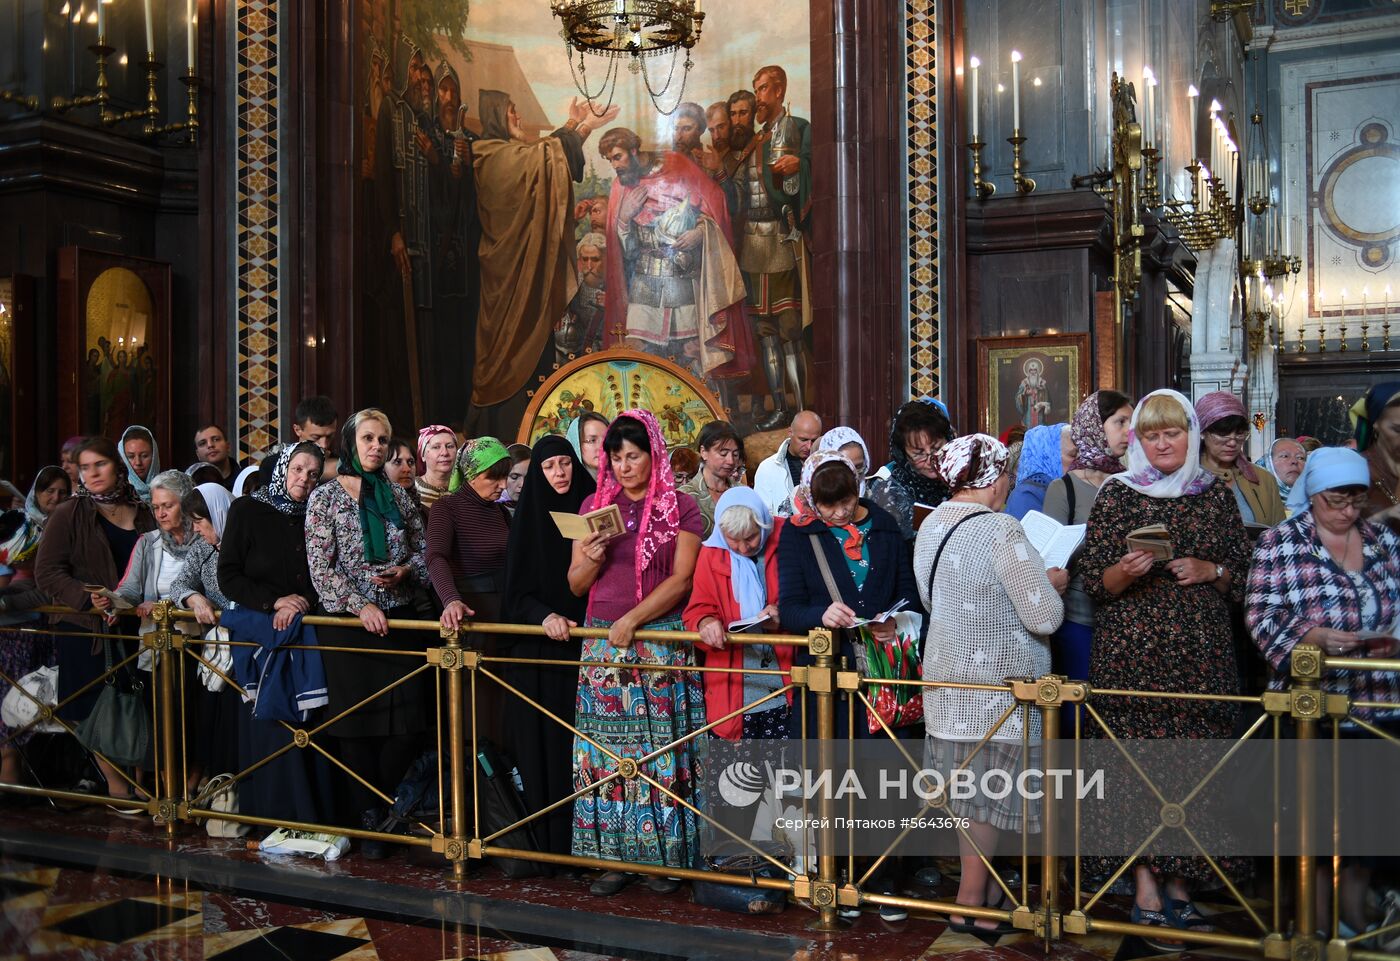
(1186,916)
(1156,919)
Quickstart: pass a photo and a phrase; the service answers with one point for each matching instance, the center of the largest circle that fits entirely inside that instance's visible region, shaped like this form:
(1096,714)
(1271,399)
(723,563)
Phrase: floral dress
(1160,636)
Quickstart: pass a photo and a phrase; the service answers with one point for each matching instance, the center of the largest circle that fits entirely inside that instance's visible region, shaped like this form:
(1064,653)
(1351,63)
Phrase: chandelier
(630,31)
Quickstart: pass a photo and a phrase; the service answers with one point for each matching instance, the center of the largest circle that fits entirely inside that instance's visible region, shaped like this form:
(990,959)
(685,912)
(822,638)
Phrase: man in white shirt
(779,474)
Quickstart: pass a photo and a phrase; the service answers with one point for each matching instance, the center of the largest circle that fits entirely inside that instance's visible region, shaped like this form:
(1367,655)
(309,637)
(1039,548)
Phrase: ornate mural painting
(508,229)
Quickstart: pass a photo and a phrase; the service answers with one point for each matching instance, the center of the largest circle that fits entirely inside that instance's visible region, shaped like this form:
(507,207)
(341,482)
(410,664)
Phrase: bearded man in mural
(525,203)
(773,190)
(673,283)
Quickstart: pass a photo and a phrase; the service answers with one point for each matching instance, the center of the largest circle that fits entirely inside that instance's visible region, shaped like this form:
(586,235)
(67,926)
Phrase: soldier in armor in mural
(674,284)
(774,187)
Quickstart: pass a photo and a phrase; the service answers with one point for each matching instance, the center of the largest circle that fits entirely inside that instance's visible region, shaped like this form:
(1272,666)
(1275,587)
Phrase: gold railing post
(451,660)
(165,657)
(1306,709)
(821,681)
(1049,706)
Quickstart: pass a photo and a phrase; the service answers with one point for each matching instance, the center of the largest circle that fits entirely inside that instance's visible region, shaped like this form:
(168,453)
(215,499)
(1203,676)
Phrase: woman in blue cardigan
(865,554)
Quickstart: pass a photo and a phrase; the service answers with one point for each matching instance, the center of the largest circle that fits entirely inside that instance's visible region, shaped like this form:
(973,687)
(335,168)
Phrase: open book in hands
(119,603)
(1155,539)
(747,623)
(575,527)
(885,616)
(1055,542)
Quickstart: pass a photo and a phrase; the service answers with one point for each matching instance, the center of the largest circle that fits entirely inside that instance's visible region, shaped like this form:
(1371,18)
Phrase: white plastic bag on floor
(283,841)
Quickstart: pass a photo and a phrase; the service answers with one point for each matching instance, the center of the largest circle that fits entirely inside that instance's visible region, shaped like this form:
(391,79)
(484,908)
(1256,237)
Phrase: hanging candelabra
(630,31)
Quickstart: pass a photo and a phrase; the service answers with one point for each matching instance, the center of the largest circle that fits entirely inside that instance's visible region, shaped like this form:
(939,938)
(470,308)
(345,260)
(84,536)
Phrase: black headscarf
(493,105)
(925,490)
(537,555)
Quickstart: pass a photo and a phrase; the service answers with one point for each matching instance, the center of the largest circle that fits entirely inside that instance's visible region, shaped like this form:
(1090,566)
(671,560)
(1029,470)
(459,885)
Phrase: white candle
(191,31)
(101,21)
(1147,84)
(976,67)
(1191,94)
(150,30)
(1016,91)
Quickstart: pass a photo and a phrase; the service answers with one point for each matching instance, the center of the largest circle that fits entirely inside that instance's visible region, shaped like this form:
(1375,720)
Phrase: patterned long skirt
(630,712)
(20,654)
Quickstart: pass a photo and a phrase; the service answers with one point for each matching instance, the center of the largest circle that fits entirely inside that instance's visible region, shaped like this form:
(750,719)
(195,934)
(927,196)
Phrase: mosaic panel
(922,197)
(257,200)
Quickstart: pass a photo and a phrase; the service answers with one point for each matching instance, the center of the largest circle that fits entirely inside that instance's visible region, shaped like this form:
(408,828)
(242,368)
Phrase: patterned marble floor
(90,885)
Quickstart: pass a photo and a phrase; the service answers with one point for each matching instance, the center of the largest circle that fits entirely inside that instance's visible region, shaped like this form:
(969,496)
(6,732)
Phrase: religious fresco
(507,227)
(118,381)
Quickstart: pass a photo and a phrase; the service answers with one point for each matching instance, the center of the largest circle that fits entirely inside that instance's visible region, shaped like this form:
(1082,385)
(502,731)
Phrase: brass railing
(835,882)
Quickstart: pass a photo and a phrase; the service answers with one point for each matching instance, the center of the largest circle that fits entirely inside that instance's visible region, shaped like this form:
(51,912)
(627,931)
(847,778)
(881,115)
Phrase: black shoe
(779,418)
(610,883)
(659,885)
(372,849)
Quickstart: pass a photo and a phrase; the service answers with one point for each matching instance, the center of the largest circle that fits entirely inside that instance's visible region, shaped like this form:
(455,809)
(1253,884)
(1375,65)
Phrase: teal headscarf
(377,505)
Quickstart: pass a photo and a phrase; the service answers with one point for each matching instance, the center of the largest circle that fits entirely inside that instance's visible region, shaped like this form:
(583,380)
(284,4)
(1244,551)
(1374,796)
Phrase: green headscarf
(479,455)
(377,505)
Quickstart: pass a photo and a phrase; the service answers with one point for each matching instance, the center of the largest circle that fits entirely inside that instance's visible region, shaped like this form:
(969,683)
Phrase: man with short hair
(778,475)
(581,327)
(211,446)
(316,421)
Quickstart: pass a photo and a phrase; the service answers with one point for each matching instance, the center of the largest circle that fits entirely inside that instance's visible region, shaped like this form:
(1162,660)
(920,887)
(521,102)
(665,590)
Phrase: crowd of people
(349,519)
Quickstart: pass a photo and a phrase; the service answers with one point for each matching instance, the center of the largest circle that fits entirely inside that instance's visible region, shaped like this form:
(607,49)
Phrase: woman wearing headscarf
(1099,433)
(736,578)
(847,441)
(438,474)
(89,540)
(159,556)
(1327,577)
(20,533)
(1376,420)
(992,606)
(467,537)
(1165,625)
(141,458)
(918,432)
(247,481)
(1045,457)
(1285,461)
(365,550)
(1225,453)
(537,592)
(637,580)
(263,567)
(586,435)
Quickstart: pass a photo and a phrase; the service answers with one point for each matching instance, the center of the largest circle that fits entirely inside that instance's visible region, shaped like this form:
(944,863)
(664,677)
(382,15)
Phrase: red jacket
(711,595)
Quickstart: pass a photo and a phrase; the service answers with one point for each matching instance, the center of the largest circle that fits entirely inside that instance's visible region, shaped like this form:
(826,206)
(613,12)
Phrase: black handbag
(118,727)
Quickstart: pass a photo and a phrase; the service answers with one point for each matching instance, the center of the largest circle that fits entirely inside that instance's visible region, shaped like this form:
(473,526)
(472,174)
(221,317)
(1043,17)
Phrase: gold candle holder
(1024,185)
(190,124)
(1385,333)
(1151,193)
(1342,340)
(101,51)
(24,101)
(1322,333)
(983,188)
(1365,341)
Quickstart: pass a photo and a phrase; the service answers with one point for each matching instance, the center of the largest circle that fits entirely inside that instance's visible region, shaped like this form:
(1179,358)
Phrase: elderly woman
(1328,577)
(1099,433)
(637,580)
(992,606)
(20,533)
(89,540)
(737,578)
(467,537)
(1285,461)
(721,459)
(437,464)
(586,434)
(919,430)
(1046,456)
(1225,453)
(159,556)
(141,458)
(1165,625)
(1376,419)
(364,547)
(263,567)
(537,592)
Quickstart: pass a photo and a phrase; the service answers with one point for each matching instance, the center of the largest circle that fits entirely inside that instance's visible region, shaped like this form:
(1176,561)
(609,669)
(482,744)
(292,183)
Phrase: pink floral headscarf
(955,459)
(1214,407)
(1090,439)
(661,516)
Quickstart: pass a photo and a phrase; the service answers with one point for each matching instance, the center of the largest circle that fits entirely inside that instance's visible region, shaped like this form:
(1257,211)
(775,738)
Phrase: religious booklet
(898,606)
(119,603)
(746,623)
(575,527)
(1056,542)
(1155,539)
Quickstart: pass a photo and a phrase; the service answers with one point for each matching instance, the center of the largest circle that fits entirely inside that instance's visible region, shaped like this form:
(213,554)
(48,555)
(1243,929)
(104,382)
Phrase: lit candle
(191,30)
(1016,91)
(101,21)
(150,30)
(1191,94)
(976,66)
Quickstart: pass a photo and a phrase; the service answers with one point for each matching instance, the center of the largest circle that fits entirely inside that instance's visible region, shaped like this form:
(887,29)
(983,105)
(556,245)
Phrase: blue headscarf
(745,573)
(1040,454)
(1328,468)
